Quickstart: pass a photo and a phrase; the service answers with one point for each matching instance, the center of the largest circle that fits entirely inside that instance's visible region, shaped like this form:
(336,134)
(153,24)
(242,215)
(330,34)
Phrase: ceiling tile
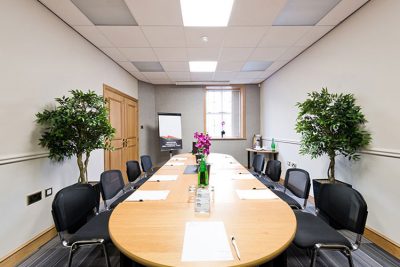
(341,11)
(249,74)
(66,10)
(148,66)
(256,65)
(156,12)
(124,36)
(277,65)
(224,76)
(171,53)
(175,65)
(165,36)
(139,76)
(139,54)
(243,36)
(203,53)
(235,54)
(93,35)
(283,35)
(114,53)
(255,12)
(292,52)
(155,75)
(201,76)
(313,35)
(179,76)
(230,65)
(128,66)
(267,53)
(215,36)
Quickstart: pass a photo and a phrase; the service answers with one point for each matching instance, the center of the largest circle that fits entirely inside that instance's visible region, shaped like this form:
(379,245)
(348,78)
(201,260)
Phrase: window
(224,112)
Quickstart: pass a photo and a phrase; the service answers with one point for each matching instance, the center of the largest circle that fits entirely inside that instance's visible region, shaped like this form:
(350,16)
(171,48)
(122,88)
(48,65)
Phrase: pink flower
(203,142)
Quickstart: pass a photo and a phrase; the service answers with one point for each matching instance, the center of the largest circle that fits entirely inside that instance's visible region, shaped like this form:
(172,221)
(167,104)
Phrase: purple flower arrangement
(203,143)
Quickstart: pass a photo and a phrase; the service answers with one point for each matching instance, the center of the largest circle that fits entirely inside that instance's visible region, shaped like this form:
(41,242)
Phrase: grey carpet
(54,254)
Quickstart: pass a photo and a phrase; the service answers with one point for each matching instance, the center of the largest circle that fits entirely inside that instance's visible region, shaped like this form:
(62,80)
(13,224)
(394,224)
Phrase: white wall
(41,58)
(360,56)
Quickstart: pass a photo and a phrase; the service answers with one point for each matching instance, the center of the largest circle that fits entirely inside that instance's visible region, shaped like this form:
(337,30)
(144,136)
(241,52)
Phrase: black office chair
(273,172)
(135,174)
(112,184)
(342,208)
(147,166)
(75,220)
(258,166)
(297,181)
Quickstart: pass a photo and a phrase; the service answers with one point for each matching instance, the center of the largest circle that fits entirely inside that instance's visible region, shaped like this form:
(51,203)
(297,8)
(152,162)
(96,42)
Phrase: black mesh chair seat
(312,230)
(289,200)
(264,181)
(97,227)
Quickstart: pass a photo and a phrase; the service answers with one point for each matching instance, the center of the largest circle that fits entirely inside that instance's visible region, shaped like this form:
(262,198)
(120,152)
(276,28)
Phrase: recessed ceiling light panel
(256,65)
(106,12)
(148,66)
(304,12)
(206,13)
(202,66)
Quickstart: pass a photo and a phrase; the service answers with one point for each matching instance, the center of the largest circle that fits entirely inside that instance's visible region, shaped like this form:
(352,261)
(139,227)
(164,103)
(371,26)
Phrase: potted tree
(331,124)
(75,127)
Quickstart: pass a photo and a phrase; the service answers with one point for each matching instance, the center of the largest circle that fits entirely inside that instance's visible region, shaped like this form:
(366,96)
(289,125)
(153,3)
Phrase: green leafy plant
(76,126)
(331,124)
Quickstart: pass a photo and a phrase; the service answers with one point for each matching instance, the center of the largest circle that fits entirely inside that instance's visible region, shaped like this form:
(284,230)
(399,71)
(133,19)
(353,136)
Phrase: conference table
(152,232)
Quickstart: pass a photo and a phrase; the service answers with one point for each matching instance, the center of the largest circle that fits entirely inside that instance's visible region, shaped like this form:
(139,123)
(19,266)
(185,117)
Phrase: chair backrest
(72,206)
(343,207)
(258,163)
(147,165)
(133,170)
(298,182)
(112,182)
(194,148)
(274,170)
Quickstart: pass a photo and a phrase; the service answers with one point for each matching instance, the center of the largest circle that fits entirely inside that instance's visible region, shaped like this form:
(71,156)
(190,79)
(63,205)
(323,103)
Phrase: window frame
(242,91)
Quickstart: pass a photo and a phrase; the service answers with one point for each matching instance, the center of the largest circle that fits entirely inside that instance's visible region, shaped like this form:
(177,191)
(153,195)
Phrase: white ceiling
(161,37)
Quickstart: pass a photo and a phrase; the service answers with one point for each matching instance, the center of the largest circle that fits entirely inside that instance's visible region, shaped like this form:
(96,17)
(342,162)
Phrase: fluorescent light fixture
(203,83)
(106,12)
(202,66)
(304,12)
(256,65)
(206,13)
(148,66)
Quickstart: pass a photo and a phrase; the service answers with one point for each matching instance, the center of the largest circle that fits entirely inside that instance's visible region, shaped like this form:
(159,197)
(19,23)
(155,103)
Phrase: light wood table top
(152,232)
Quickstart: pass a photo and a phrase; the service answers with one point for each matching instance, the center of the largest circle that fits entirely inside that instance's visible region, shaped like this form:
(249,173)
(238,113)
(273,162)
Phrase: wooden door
(123,115)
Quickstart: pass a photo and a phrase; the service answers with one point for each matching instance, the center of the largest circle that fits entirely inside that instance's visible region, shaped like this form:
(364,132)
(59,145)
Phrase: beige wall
(361,56)
(41,58)
(190,102)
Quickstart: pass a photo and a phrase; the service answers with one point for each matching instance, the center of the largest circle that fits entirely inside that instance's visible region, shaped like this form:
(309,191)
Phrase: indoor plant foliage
(331,124)
(76,126)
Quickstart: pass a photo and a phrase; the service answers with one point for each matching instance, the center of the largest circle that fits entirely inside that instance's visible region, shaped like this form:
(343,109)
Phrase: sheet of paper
(256,194)
(142,195)
(159,178)
(178,158)
(174,163)
(206,241)
(243,176)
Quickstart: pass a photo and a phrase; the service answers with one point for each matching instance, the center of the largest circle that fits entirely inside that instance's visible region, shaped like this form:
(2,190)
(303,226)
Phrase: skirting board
(28,248)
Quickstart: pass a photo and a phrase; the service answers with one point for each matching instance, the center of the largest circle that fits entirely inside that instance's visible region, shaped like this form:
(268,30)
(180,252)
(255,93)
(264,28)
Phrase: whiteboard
(170,131)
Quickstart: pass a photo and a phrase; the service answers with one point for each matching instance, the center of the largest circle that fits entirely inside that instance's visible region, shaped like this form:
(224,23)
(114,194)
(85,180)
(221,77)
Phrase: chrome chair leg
(71,254)
(106,255)
(314,256)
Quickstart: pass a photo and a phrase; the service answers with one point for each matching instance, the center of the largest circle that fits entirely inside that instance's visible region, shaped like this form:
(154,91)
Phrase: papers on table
(243,176)
(256,194)
(177,158)
(142,195)
(169,163)
(159,178)
(206,241)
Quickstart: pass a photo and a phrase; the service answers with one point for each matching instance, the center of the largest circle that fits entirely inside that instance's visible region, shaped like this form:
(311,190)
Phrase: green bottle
(203,174)
(273,146)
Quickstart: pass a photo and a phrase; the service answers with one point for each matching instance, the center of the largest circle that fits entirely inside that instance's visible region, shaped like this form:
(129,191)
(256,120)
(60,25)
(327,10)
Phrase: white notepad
(206,241)
(178,158)
(159,178)
(244,176)
(256,194)
(142,195)
(174,163)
